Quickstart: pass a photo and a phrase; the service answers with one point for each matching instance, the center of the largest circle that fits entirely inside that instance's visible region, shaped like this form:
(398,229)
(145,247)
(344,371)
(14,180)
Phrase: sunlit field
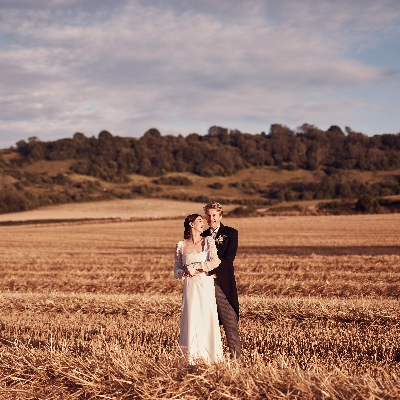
(108,209)
(92,311)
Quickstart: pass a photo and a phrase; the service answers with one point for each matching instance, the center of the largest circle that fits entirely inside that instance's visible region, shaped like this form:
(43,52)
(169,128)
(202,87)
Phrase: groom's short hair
(214,205)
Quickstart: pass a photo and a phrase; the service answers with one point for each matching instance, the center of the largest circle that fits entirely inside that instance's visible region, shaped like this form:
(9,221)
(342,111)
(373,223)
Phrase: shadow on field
(320,250)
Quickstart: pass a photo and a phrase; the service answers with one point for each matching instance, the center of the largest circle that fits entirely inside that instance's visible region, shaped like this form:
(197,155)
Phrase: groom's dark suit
(225,285)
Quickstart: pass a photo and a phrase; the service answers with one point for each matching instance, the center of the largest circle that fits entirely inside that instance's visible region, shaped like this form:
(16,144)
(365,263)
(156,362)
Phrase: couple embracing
(204,260)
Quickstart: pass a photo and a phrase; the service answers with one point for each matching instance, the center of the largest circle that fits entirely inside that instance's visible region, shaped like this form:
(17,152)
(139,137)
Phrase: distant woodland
(221,152)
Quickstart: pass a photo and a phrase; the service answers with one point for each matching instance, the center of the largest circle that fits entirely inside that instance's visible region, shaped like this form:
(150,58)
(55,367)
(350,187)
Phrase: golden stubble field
(92,311)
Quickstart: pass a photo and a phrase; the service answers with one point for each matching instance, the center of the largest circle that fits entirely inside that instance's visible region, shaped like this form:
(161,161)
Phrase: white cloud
(65,67)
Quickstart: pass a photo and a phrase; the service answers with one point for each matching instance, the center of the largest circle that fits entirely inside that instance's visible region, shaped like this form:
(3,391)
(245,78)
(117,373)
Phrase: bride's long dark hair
(188,220)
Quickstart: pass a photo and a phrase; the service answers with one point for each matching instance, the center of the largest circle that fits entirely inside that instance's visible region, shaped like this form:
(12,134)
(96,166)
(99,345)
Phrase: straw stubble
(91,312)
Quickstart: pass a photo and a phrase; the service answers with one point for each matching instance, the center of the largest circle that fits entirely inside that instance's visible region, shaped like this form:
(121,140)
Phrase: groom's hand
(199,271)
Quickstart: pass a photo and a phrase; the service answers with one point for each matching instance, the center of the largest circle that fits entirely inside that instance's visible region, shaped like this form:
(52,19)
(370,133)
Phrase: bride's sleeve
(212,255)
(178,267)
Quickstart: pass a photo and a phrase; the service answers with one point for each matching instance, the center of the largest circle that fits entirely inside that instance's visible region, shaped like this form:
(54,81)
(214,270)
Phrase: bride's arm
(178,267)
(212,260)
(212,256)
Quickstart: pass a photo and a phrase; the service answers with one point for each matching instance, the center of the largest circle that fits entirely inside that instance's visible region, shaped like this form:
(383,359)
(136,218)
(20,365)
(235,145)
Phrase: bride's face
(198,224)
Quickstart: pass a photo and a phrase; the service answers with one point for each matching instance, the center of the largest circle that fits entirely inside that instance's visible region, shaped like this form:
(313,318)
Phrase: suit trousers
(229,320)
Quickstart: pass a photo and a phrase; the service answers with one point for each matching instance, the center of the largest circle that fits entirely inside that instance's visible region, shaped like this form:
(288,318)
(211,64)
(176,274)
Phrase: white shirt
(215,232)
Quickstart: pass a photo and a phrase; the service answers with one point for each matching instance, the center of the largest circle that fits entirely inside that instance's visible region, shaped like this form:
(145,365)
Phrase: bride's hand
(191,270)
(186,273)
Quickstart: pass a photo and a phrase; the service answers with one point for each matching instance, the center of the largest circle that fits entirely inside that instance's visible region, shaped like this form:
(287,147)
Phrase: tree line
(221,152)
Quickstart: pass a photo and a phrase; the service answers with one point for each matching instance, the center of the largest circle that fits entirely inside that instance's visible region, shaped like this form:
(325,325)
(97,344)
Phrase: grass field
(92,311)
(122,209)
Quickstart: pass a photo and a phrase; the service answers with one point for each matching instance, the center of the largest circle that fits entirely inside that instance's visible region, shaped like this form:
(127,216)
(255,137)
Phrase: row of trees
(220,152)
(334,187)
(365,204)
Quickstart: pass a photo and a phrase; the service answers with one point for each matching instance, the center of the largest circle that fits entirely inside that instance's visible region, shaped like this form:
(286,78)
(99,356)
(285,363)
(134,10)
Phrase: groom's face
(213,218)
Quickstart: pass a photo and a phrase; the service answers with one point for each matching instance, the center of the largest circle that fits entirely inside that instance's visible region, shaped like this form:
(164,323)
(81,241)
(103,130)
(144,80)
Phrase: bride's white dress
(200,336)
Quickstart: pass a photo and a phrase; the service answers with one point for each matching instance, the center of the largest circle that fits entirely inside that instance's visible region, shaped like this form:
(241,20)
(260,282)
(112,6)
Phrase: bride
(200,336)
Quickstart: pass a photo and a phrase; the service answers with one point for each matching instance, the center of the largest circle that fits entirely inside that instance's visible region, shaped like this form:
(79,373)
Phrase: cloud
(69,66)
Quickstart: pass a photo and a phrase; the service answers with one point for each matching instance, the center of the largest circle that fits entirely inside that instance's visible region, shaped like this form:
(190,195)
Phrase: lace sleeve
(212,255)
(178,267)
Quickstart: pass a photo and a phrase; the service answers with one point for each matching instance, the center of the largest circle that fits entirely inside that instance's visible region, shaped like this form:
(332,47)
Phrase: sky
(183,66)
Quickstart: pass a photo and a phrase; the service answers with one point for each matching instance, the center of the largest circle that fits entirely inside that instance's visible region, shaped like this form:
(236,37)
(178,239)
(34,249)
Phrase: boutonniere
(220,239)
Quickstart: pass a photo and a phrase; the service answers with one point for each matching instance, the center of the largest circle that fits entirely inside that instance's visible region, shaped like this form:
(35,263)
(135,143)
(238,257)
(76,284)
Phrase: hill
(259,171)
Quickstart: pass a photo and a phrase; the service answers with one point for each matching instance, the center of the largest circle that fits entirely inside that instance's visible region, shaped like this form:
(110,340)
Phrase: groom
(226,240)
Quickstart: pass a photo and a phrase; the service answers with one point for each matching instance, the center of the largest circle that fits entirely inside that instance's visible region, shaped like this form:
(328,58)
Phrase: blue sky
(71,66)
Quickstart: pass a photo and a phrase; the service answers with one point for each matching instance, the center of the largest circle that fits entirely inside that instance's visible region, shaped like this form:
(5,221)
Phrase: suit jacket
(225,271)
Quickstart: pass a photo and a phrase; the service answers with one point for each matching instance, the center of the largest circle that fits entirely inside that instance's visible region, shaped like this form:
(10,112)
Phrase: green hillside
(260,171)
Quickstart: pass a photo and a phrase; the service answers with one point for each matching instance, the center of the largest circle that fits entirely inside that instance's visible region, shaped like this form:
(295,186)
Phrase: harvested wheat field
(92,311)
